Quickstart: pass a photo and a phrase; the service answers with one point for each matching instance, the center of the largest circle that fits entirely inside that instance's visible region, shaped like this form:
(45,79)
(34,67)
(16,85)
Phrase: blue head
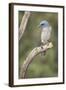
(44,24)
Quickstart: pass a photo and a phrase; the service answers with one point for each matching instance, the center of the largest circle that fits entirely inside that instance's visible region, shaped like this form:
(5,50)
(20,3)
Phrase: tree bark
(31,56)
(23,24)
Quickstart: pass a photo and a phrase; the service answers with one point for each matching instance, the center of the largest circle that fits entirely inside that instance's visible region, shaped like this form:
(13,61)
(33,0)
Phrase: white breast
(45,35)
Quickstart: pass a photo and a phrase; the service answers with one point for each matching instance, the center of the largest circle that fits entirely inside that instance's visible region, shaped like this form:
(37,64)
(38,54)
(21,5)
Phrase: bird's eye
(42,24)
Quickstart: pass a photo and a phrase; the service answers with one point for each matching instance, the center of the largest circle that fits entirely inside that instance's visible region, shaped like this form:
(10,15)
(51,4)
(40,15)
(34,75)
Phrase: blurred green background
(42,66)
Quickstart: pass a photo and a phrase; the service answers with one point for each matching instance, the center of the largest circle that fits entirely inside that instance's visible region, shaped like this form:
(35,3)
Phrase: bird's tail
(43,53)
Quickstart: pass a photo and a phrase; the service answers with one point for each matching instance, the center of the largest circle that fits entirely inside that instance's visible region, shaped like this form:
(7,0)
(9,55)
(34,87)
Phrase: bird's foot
(41,47)
(43,53)
(48,42)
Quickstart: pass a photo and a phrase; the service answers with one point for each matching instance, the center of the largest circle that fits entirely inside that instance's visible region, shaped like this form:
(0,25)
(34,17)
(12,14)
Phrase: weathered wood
(23,24)
(32,54)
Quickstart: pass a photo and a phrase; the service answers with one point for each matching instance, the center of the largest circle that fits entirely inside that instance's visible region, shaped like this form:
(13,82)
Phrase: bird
(46,29)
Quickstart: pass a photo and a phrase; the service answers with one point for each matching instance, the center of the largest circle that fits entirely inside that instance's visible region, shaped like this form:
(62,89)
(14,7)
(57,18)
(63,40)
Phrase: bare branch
(32,55)
(23,24)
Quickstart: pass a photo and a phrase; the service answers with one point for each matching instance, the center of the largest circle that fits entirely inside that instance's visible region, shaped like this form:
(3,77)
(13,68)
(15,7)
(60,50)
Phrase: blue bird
(45,31)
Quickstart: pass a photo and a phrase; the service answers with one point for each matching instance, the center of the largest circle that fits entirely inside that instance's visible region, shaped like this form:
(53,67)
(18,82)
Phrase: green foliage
(42,66)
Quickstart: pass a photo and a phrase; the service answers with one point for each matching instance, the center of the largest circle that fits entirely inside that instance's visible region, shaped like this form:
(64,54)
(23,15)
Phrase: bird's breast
(45,35)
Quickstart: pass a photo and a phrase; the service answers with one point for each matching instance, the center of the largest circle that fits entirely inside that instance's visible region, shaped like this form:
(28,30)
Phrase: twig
(32,55)
(23,24)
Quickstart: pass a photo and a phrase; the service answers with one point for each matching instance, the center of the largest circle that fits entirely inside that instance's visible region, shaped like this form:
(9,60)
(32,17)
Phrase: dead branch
(32,54)
(23,24)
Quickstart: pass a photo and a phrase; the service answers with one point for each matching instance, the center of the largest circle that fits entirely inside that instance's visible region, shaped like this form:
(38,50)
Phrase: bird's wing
(49,33)
(45,35)
(50,28)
